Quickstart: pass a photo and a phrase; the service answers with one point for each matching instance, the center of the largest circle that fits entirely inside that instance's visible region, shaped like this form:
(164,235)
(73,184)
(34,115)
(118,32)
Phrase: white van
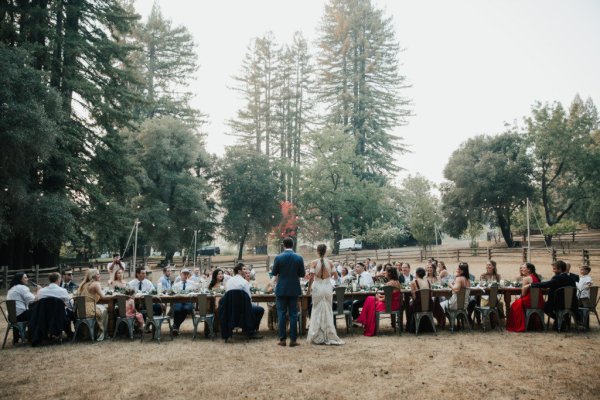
(350,244)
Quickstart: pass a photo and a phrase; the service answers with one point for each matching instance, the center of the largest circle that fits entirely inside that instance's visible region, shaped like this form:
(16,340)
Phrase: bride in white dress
(321,329)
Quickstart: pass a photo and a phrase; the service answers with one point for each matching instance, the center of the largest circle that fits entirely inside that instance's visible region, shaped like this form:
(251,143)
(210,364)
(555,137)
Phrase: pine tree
(360,83)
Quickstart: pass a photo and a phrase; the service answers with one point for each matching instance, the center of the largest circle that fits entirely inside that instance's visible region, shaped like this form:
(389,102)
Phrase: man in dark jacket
(288,267)
(560,279)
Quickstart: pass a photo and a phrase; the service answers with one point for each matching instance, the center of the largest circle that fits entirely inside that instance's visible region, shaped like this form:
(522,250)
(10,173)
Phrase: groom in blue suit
(288,267)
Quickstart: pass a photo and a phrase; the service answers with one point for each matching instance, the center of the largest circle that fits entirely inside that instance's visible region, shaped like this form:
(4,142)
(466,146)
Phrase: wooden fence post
(489,251)
(524,255)
(457,254)
(389,257)
(585,255)
(5,274)
(553,254)
(376,255)
(268,263)
(37,273)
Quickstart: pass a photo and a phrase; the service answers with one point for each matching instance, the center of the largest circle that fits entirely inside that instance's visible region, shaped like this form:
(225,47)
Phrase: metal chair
(123,318)
(565,298)
(10,315)
(340,311)
(459,311)
(584,312)
(155,321)
(534,308)
(81,316)
(492,308)
(424,309)
(388,292)
(201,315)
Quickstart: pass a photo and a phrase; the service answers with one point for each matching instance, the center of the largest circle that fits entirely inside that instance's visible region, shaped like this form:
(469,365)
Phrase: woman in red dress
(516,318)
(377,302)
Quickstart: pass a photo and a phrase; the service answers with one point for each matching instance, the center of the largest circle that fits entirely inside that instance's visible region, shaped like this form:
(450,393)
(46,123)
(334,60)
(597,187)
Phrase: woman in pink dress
(377,302)
(130,310)
(516,318)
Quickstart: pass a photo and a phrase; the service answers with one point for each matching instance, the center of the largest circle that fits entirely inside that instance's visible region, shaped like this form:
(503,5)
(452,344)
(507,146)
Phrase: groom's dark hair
(238,268)
(288,243)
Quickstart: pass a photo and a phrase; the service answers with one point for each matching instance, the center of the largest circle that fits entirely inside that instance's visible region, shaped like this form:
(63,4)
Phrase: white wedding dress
(321,329)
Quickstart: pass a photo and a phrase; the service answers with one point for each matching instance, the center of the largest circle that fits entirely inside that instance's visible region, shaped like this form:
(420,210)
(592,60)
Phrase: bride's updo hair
(321,250)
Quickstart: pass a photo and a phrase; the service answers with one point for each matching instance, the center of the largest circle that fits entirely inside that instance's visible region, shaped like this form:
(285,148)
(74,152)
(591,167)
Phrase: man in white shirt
(181,310)
(406,276)
(141,284)
(239,282)
(165,281)
(54,290)
(364,280)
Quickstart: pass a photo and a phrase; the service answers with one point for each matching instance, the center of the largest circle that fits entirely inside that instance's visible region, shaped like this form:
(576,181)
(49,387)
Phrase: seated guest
(117,282)
(345,277)
(559,280)
(181,310)
(217,279)
(91,288)
(431,275)
(20,293)
(573,276)
(583,286)
(67,282)
(130,310)
(461,280)
(114,266)
(491,273)
(523,272)
(196,276)
(420,282)
(54,290)
(364,280)
(142,284)
(516,318)
(239,282)
(406,276)
(165,280)
(442,272)
(376,303)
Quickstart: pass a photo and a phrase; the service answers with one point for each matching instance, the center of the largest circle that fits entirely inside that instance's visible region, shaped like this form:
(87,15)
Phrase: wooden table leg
(507,298)
(111,318)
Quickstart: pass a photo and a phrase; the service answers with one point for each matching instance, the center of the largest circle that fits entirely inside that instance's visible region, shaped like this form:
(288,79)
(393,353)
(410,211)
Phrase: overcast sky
(473,65)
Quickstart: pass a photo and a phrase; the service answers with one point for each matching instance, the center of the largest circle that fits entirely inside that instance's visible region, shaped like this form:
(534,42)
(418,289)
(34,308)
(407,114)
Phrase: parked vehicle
(209,251)
(350,244)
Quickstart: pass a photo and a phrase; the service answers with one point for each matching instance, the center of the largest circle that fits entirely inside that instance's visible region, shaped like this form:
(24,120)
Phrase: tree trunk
(504,224)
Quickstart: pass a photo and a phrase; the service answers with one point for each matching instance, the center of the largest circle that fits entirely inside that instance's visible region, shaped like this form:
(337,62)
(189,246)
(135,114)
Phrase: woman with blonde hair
(92,290)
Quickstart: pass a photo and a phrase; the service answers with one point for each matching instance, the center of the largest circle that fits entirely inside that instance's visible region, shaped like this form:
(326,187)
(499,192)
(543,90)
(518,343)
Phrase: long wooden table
(507,293)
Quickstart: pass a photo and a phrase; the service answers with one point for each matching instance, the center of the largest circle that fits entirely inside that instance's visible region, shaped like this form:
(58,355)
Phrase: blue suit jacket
(289,268)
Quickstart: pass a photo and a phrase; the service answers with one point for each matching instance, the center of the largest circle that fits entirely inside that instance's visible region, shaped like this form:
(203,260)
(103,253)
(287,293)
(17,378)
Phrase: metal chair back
(594,297)
(460,298)
(388,292)
(339,298)
(425,299)
(202,304)
(568,294)
(534,295)
(122,304)
(148,303)
(11,309)
(80,309)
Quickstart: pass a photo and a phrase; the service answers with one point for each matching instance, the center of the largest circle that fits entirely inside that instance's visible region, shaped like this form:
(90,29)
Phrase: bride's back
(322,268)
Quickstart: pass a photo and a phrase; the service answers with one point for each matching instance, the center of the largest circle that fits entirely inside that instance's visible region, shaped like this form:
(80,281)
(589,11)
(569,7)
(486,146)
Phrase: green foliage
(422,209)
(489,177)
(334,195)
(360,84)
(249,197)
(173,199)
(166,64)
(31,119)
(565,155)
